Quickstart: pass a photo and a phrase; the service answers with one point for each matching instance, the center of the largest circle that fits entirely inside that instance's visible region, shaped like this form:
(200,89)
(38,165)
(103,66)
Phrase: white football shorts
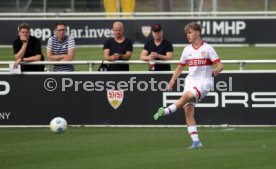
(199,88)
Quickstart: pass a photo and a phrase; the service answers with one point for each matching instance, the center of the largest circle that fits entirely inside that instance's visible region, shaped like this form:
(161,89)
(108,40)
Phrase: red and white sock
(193,133)
(169,110)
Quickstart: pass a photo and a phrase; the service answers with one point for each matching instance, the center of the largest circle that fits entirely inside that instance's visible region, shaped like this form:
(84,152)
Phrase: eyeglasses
(61,30)
(24,31)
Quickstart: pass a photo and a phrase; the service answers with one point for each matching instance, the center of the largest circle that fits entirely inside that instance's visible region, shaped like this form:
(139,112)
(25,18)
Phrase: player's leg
(184,99)
(191,94)
(191,126)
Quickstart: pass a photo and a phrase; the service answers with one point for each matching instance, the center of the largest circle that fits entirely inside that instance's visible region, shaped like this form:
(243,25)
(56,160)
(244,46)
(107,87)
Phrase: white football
(58,125)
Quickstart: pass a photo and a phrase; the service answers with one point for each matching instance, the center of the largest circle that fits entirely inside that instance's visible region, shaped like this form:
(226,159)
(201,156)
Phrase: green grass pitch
(225,53)
(137,148)
(142,148)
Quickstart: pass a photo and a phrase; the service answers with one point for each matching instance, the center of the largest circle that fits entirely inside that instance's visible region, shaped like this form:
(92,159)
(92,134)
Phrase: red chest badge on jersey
(203,54)
(115,98)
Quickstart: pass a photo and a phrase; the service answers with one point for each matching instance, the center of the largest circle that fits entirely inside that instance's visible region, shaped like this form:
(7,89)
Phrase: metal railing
(141,14)
(92,63)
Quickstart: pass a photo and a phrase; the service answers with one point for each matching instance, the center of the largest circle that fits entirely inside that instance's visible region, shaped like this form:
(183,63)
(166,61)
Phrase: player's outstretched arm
(218,68)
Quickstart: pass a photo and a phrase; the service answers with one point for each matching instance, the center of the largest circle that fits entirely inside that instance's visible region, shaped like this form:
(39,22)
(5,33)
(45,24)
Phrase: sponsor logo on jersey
(115,98)
(146,30)
(199,62)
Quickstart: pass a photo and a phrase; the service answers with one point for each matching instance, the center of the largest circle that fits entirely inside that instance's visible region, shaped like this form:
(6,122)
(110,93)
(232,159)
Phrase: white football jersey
(199,60)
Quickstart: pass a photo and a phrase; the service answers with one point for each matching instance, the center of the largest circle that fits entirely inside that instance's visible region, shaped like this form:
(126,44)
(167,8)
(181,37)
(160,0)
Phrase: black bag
(103,67)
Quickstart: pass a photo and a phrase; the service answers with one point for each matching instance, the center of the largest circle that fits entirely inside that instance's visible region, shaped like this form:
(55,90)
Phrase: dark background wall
(83,99)
(95,32)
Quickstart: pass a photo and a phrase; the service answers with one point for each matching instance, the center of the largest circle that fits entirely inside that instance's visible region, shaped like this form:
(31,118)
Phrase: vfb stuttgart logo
(146,30)
(115,98)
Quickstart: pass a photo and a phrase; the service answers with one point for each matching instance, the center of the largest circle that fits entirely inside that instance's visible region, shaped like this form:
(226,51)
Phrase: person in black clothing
(157,49)
(118,48)
(27,48)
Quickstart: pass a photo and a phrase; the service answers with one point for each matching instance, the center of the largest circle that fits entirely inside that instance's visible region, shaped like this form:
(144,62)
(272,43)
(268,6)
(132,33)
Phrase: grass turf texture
(136,148)
(233,53)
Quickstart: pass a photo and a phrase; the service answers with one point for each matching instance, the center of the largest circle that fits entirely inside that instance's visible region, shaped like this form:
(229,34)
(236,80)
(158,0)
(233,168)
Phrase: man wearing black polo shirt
(118,48)
(27,48)
(157,49)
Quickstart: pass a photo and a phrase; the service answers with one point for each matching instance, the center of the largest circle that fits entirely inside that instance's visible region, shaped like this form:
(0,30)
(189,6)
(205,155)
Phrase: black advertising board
(95,32)
(132,99)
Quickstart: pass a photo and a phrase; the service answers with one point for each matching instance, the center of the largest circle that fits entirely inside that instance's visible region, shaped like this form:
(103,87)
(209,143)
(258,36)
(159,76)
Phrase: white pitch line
(96,130)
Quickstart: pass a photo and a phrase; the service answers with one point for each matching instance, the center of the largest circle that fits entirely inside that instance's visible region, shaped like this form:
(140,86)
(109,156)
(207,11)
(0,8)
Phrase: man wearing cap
(157,48)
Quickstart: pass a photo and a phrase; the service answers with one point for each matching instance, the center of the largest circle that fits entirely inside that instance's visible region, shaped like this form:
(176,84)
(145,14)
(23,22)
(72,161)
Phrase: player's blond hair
(194,26)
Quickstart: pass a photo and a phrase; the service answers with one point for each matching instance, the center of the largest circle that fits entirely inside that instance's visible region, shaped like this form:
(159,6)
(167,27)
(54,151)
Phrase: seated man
(157,49)
(27,48)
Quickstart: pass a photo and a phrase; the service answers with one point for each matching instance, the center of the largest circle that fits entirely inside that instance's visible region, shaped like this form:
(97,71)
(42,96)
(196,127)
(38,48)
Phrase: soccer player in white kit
(199,57)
